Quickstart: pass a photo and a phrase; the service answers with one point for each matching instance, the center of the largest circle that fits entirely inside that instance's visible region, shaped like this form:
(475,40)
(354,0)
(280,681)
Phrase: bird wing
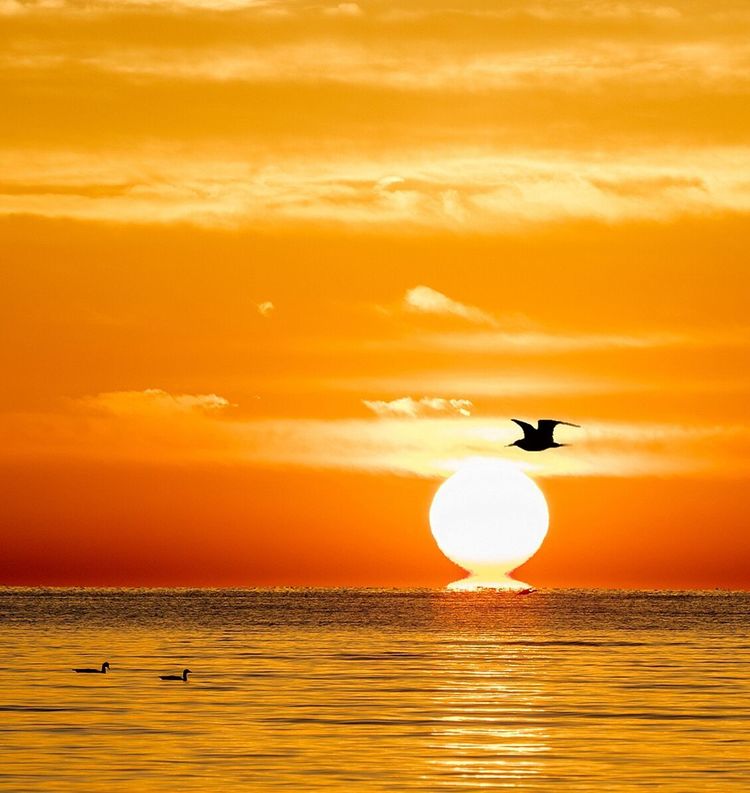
(528,429)
(547,426)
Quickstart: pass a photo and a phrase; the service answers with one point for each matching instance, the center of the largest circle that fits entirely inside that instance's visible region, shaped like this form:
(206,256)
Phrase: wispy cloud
(425,300)
(344,10)
(266,308)
(487,192)
(544,342)
(620,110)
(435,447)
(406,407)
(475,384)
(530,339)
(155,426)
(344,58)
(153,401)
(14,7)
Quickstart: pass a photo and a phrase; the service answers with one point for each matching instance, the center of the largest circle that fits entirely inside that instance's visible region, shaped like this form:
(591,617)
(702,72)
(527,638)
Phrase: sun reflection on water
(490,732)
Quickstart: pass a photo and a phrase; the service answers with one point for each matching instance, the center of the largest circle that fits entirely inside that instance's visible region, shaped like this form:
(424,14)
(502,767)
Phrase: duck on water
(183,676)
(102,671)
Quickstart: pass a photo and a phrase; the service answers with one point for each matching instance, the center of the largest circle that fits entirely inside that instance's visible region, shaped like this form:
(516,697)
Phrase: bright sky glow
(273,269)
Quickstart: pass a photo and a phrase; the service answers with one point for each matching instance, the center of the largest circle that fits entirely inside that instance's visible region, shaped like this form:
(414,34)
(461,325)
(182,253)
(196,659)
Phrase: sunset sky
(272,270)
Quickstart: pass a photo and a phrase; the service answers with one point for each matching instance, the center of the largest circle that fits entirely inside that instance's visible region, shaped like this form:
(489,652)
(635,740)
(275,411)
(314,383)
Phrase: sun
(489,518)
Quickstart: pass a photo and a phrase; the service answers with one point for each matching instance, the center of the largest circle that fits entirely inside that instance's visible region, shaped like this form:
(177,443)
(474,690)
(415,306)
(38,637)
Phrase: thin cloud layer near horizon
(273,270)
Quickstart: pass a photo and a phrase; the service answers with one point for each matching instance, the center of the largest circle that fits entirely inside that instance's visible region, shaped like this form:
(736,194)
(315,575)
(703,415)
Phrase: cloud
(538,341)
(406,407)
(266,308)
(434,448)
(542,342)
(425,300)
(155,427)
(438,188)
(153,401)
(501,385)
(344,10)
(149,426)
(648,122)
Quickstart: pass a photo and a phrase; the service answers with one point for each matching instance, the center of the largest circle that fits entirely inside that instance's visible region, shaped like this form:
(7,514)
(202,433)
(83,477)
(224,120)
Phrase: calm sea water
(364,690)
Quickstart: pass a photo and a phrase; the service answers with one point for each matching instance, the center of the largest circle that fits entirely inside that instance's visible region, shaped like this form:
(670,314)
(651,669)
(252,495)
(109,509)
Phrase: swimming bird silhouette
(102,671)
(183,676)
(539,438)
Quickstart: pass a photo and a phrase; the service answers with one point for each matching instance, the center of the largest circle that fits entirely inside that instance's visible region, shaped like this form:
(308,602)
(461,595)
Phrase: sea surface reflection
(374,690)
(489,731)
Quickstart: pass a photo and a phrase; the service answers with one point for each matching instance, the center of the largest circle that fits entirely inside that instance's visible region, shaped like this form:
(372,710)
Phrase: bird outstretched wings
(528,429)
(539,438)
(547,425)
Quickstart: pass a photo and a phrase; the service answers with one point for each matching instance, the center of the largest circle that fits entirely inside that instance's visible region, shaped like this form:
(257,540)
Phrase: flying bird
(183,676)
(539,438)
(102,671)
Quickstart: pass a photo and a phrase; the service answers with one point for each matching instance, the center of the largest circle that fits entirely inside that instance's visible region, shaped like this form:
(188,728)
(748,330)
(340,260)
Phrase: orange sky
(271,270)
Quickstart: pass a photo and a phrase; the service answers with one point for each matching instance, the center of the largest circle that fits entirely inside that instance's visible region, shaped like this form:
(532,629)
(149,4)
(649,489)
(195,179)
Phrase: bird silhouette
(102,671)
(539,438)
(183,676)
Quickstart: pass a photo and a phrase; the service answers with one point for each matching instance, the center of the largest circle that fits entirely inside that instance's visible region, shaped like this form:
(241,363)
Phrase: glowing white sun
(489,518)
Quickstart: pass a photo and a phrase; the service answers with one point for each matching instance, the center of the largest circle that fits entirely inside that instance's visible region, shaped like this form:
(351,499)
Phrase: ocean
(374,690)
